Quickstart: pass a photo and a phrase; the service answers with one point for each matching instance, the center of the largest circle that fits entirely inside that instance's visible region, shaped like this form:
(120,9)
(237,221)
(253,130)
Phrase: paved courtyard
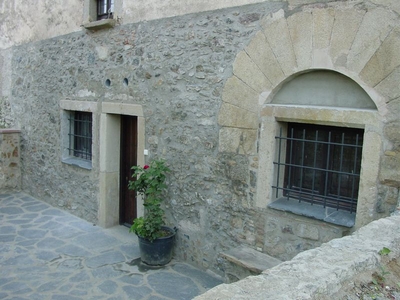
(47,253)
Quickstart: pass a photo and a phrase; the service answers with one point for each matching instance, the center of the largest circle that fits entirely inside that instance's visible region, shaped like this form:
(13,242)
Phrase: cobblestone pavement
(47,253)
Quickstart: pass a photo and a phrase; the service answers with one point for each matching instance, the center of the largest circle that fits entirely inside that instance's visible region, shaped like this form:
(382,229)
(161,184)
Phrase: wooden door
(128,159)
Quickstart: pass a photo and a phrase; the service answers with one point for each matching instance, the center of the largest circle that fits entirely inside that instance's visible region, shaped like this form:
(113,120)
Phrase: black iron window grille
(105,9)
(80,135)
(321,165)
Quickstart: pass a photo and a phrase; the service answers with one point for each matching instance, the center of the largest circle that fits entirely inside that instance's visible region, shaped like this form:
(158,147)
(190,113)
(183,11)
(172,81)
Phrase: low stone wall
(319,273)
(10,164)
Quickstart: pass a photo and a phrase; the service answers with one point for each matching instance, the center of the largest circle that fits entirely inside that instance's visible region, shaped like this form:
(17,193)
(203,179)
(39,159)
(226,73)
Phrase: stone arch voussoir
(359,43)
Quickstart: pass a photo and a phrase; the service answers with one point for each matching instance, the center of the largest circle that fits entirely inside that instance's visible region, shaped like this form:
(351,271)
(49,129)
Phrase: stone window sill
(100,24)
(326,214)
(80,163)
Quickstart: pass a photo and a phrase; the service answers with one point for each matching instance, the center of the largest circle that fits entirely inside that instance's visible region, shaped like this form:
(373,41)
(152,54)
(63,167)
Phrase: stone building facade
(209,87)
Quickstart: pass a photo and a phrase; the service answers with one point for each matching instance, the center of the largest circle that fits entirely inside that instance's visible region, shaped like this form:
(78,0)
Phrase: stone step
(253,262)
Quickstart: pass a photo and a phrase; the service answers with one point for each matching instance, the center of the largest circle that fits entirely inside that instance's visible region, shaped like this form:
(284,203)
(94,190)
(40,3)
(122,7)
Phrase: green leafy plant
(149,181)
(384,251)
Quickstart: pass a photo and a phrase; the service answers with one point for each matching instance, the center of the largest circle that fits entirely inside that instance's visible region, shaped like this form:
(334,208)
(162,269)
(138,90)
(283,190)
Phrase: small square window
(80,135)
(105,9)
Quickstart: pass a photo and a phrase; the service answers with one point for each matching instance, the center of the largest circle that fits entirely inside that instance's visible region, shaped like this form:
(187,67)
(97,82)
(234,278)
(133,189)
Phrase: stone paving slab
(47,253)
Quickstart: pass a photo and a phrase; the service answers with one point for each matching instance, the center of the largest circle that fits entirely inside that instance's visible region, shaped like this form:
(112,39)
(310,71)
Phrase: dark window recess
(80,135)
(322,165)
(105,9)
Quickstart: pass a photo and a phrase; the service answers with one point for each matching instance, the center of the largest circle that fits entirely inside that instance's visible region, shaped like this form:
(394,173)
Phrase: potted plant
(155,239)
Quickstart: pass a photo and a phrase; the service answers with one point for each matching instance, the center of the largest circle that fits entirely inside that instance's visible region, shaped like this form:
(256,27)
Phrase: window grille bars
(321,165)
(80,135)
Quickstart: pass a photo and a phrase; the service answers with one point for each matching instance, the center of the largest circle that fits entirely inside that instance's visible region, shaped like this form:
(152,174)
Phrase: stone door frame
(110,126)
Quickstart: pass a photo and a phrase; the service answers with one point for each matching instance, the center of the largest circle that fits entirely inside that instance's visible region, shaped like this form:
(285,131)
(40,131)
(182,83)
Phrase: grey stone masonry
(175,69)
(205,84)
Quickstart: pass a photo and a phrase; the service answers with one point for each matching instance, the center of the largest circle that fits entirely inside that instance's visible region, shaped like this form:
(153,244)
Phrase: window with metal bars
(80,134)
(321,165)
(105,9)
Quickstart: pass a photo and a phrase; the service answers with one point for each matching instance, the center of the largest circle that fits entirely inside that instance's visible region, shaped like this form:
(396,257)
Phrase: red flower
(146,167)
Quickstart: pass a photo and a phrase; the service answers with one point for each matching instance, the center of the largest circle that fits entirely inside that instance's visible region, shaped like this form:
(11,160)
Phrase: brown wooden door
(128,159)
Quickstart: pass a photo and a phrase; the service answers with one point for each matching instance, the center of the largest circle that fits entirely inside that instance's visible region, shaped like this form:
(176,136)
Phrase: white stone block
(323,23)
(301,32)
(261,53)
(384,61)
(233,116)
(376,25)
(390,87)
(278,37)
(347,22)
(245,69)
(236,140)
(237,93)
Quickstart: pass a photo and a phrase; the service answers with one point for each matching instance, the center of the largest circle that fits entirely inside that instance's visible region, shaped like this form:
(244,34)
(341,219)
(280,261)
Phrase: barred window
(105,9)
(321,165)
(80,135)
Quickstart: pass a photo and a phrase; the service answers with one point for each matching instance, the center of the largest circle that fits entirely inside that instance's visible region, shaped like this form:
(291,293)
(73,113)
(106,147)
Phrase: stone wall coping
(10,130)
(321,271)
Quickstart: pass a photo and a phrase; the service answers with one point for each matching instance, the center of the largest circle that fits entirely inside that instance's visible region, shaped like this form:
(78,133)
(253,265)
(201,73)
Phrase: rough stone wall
(7,119)
(319,273)
(177,69)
